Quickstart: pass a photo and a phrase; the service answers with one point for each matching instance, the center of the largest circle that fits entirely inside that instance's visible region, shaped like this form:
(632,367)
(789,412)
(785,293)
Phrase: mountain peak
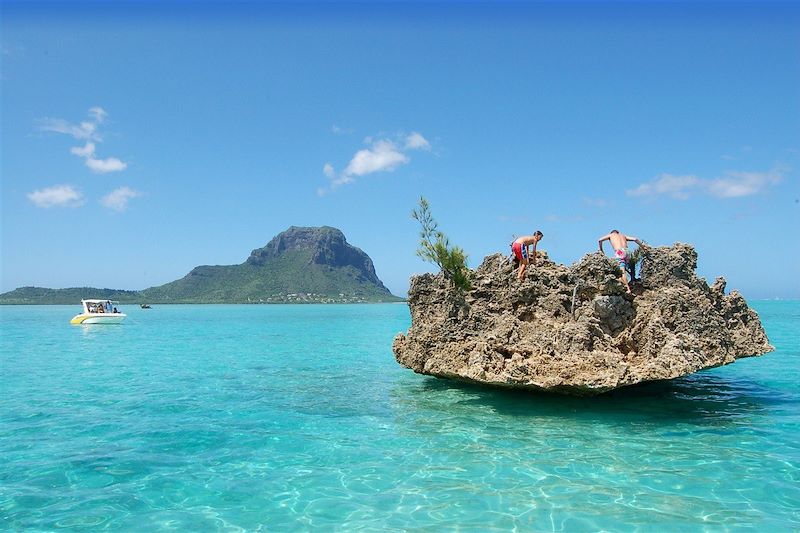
(298,238)
(324,246)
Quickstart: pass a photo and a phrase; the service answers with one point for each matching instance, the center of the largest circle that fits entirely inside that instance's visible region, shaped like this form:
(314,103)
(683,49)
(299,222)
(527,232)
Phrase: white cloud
(335,182)
(56,196)
(678,187)
(732,185)
(416,141)
(118,198)
(101,166)
(737,184)
(86,151)
(384,156)
(86,130)
(343,180)
(98,114)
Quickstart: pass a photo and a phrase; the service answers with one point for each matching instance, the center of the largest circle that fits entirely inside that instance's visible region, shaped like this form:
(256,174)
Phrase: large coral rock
(574,330)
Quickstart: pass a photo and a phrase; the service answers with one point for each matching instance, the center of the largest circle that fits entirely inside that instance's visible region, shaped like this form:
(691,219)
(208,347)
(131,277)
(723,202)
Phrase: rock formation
(574,330)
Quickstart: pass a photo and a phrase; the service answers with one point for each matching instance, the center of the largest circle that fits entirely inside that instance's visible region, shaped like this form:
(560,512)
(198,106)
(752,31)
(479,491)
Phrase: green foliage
(71,296)
(434,246)
(634,258)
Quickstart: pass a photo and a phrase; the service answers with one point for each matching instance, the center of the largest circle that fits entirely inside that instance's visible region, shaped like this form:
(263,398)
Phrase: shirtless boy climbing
(619,241)
(520,249)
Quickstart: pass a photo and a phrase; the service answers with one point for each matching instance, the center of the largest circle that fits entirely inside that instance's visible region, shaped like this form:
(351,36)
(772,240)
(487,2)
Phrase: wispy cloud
(100,166)
(678,187)
(85,151)
(731,185)
(562,218)
(83,130)
(737,184)
(56,196)
(416,141)
(88,131)
(341,131)
(117,199)
(595,202)
(98,114)
(383,155)
(109,164)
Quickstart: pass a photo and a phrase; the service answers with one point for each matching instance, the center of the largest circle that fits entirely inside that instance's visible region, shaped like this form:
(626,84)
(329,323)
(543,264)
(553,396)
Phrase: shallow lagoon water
(297,418)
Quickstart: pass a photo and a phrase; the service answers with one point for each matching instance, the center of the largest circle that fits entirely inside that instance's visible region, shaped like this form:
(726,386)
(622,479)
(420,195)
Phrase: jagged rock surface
(531,335)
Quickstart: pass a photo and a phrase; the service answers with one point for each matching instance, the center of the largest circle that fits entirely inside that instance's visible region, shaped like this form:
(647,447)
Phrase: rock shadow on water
(701,399)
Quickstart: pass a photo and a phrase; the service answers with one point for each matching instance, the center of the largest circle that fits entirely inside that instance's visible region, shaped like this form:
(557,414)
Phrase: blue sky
(142,139)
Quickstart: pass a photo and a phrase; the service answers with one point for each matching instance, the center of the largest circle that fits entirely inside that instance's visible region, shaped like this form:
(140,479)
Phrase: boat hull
(98,318)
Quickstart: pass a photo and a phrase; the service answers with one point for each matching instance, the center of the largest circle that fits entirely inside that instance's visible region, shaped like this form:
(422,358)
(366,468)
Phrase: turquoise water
(296,418)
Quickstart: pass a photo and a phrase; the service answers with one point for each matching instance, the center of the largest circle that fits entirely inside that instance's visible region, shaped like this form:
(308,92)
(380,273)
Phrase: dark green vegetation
(41,295)
(301,265)
(434,246)
(634,258)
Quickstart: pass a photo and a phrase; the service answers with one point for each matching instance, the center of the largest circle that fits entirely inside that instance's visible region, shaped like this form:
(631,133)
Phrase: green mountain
(298,265)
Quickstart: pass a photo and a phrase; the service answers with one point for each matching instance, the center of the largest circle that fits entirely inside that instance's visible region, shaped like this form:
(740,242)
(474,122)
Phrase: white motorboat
(98,312)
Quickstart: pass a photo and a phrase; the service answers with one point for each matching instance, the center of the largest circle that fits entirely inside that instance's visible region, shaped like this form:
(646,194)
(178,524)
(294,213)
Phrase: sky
(140,140)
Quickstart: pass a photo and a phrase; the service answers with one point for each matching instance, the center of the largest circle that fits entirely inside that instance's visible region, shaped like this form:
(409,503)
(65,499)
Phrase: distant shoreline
(137,304)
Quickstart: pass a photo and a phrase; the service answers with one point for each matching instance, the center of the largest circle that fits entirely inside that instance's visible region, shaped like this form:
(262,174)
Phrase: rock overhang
(573,329)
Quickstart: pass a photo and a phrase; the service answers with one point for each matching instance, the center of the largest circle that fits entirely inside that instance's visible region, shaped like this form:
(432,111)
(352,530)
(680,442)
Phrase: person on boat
(619,241)
(520,249)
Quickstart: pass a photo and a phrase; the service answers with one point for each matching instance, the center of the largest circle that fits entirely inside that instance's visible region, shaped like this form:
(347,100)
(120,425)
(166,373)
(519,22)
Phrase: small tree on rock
(434,246)
(634,258)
